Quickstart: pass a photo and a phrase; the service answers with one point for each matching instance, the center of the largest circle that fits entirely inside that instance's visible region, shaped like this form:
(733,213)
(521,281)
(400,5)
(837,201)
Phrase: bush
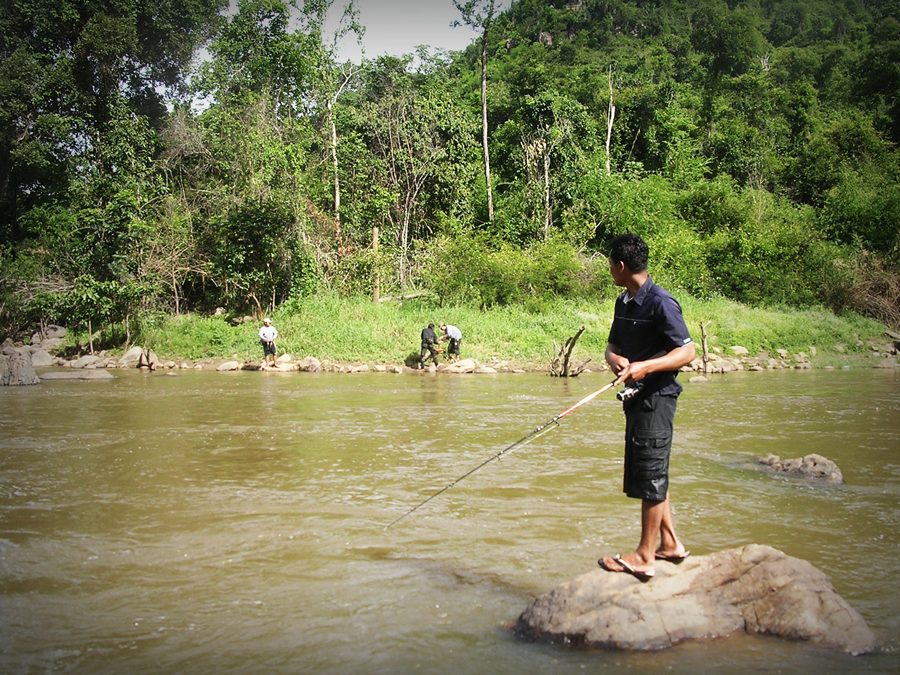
(864,208)
(461,270)
(711,206)
(677,260)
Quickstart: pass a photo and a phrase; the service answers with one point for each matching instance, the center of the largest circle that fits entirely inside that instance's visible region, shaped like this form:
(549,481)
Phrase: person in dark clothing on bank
(429,346)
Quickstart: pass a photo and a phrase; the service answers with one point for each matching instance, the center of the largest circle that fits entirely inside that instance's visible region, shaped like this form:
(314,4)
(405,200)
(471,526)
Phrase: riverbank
(347,334)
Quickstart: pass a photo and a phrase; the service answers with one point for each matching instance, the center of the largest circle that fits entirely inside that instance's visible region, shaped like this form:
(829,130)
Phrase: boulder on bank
(755,589)
(52,337)
(309,364)
(41,358)
(86,361)
(461,366)
(131,357)
(139,357)
(811,466)
(16,368)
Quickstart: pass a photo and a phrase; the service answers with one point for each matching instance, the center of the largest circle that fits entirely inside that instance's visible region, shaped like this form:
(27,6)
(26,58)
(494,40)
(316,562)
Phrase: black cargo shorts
(648,444)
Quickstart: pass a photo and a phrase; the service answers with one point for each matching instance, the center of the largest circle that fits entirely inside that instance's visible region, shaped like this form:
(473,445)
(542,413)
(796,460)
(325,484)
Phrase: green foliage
(712,206)
(729,39)
(254,53)
(464,270)
(864,208)
(753,146)
(253,258)
(771,258)
(66,69)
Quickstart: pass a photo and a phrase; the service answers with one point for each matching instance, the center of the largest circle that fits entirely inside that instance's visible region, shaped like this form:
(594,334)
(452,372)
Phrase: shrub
(710,206)
(461,270)
(864,208)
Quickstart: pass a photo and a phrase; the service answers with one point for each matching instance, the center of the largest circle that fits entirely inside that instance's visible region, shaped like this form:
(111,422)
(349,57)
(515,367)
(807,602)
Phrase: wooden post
(376,289)
(703,345)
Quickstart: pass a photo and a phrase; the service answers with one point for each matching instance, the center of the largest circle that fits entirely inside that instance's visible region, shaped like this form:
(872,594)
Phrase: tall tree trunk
(175,294)
(484,126)
(547,215)
(404,244)
(334,166)
(333,143)
(376,279)
(610,116)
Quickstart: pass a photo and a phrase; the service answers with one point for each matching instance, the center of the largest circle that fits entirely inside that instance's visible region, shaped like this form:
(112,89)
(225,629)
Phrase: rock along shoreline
(42,353)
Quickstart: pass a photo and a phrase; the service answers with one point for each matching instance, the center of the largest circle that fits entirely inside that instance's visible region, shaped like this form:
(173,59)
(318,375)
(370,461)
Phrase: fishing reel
(630,391)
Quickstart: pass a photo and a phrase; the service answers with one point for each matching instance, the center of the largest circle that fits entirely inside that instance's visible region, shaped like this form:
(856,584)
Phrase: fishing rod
(527,438)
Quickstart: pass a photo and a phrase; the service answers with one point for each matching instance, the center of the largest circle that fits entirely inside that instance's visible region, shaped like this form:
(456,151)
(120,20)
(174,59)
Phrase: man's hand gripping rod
(538,431)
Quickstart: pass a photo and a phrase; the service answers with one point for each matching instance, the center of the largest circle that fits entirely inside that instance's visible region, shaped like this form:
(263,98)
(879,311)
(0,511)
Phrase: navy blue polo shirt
(647,324)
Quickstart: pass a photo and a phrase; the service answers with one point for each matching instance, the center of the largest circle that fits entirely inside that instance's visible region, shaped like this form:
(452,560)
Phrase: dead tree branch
(561,366)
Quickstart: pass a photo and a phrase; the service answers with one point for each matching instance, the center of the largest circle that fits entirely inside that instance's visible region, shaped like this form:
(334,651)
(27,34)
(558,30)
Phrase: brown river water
(235,523)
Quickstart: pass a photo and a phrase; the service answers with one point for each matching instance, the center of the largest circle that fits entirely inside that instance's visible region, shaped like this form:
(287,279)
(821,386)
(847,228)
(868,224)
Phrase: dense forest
(178,157)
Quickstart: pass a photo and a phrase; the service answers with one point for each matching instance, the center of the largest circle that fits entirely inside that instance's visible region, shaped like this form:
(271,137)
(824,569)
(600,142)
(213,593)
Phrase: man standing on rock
(648,342)
(267,336)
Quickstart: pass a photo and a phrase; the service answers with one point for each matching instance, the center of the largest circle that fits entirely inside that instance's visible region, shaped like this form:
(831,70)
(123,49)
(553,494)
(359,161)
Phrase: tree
(406,135)
(729,39)
(255,54)
(67,65)
(480,15)
(330,80)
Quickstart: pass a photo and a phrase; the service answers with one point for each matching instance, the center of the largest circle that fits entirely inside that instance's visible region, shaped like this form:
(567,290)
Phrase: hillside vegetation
(753,144)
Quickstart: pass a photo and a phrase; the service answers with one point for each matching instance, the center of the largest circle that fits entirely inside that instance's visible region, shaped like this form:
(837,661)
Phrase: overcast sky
(398,26)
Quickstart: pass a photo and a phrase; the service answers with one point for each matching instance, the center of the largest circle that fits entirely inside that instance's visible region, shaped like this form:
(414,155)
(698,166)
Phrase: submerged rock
(812,466)
(82,374)
(755,589)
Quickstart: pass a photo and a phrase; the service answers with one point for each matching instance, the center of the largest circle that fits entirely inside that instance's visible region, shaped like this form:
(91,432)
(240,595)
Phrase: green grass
(356,330)
(767,329)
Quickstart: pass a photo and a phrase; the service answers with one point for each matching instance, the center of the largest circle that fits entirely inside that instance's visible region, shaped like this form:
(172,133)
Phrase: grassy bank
(356,330)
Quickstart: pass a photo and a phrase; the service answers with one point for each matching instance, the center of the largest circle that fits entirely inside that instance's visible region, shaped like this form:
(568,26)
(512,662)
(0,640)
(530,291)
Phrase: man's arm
(671,360)
(616,361)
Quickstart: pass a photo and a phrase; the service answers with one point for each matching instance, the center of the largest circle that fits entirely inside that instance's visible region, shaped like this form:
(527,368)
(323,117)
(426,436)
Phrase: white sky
(397,27)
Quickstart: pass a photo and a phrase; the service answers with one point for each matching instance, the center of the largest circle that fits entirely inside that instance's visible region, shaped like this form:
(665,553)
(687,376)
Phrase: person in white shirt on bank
(453,335)
(267,336)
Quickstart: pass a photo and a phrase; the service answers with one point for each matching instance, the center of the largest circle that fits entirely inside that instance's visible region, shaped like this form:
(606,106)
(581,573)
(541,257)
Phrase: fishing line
(527,438)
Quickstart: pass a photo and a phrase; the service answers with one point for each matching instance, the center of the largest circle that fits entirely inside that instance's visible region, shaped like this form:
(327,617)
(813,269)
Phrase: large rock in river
(16,368)
(755,589)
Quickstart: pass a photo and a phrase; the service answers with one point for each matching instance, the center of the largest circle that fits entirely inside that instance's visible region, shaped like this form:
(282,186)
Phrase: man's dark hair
(631,250)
